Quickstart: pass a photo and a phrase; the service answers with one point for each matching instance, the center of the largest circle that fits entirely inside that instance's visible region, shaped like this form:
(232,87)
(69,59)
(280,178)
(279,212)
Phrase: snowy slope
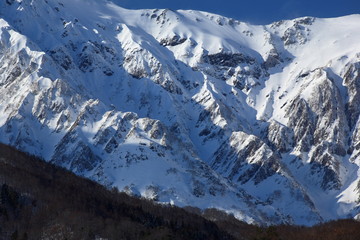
(188,107)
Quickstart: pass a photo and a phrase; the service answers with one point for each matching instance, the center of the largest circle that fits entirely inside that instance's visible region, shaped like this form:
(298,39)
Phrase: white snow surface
(188,107)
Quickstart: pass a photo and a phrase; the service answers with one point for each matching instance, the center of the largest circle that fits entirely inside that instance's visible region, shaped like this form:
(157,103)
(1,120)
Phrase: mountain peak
(188,107)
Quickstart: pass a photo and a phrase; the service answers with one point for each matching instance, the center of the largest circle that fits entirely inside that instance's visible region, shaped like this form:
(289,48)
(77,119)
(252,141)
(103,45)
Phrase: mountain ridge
(188,107)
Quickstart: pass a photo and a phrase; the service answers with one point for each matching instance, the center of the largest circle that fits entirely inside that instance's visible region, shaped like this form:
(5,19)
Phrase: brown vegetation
(346,229)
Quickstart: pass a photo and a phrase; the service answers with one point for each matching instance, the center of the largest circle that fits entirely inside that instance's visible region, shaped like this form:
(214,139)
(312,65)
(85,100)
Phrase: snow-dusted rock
(188,107)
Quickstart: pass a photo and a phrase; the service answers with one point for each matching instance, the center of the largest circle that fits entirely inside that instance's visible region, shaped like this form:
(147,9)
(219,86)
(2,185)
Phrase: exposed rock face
(352,82)
(172,41)
(188,107)
(318,123)
(298,33)
(280,137)
(248,153)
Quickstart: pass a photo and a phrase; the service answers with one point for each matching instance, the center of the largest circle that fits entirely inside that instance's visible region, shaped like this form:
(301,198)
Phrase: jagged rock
(172,41)
(80,158)
(301,120)
(255,120)
(228,60)
(273,59)
(248,158)
(280,137)
(298,32)
(352,82)
(60,56)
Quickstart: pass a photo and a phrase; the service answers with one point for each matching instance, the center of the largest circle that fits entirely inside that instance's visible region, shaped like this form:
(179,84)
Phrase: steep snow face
(188,107)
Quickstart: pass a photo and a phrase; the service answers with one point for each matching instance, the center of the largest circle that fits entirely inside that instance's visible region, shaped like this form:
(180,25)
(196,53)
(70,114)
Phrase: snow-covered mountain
(188,107)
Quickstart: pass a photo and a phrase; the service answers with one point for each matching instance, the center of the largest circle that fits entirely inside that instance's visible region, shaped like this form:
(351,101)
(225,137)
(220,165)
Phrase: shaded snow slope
(188,107)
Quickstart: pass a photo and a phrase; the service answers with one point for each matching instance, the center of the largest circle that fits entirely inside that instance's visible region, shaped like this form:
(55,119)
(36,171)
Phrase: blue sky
(255,11)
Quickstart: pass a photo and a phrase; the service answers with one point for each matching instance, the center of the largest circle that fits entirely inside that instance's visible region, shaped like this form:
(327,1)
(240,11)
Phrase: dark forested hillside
(41,201)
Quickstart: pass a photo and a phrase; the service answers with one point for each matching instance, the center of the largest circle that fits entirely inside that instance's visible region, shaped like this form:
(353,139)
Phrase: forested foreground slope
(41,201)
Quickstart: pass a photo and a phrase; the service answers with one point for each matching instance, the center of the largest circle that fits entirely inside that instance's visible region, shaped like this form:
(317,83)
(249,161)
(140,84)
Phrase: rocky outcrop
(187,107)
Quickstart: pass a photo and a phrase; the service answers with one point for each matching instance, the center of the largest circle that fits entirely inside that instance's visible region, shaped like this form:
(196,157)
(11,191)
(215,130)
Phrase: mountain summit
(188,107)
